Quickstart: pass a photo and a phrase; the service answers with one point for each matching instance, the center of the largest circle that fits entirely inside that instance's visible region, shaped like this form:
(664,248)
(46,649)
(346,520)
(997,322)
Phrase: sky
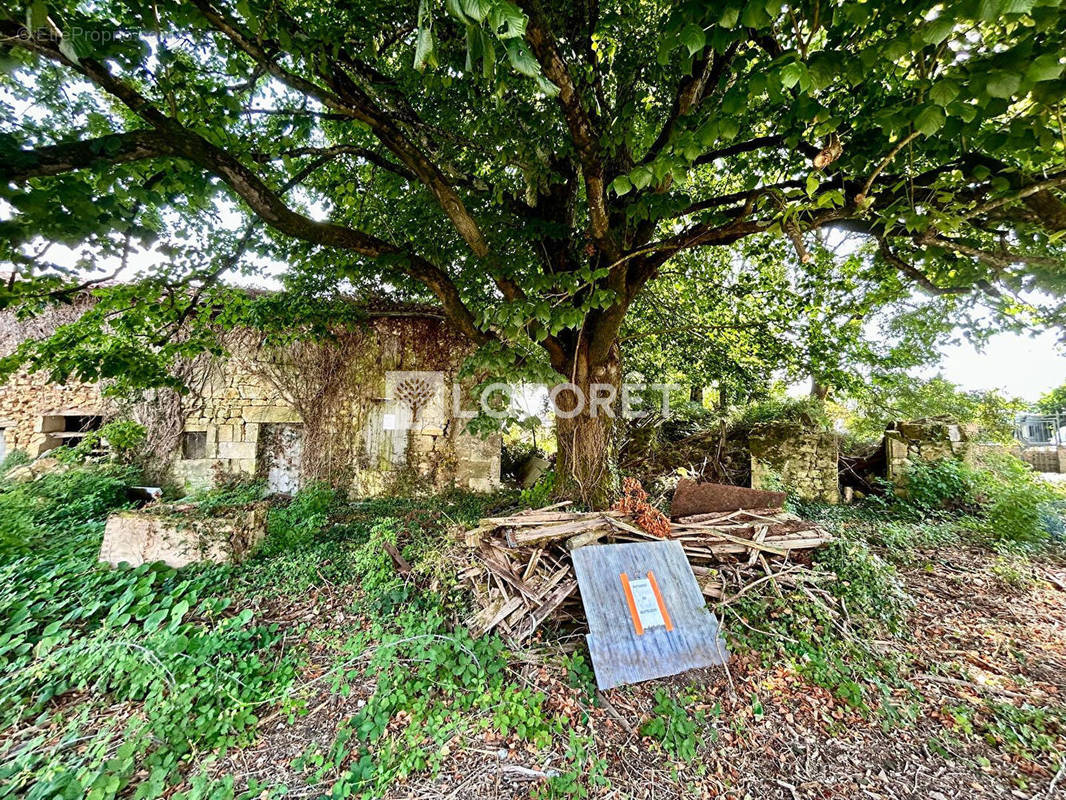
(1022,366)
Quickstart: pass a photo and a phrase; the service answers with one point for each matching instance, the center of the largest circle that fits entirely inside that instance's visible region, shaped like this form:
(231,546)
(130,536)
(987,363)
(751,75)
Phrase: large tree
(533,166)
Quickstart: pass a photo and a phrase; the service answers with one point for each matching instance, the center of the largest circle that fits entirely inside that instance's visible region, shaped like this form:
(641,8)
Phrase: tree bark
(585,427)
(819,390)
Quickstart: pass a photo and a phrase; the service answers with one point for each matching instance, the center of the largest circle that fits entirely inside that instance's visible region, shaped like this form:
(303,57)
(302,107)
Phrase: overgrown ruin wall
(311,410)
(29,401)
(335,402)
(923,440)
(804,461)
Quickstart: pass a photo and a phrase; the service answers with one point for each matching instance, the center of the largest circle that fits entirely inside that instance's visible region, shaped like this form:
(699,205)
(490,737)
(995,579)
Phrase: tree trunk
(819,390)
(585,427)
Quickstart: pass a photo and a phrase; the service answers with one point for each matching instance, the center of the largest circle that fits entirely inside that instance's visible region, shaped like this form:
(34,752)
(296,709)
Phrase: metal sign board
(647,617)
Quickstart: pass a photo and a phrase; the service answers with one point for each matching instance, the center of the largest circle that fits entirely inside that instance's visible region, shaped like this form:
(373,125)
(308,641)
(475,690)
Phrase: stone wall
(260,410)
(1045,459)
(179,539)
(803,460)
(259,390)
(28,400)
(923,440)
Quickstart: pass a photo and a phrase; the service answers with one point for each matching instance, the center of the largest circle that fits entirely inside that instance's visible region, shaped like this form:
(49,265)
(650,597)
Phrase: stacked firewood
(521,573)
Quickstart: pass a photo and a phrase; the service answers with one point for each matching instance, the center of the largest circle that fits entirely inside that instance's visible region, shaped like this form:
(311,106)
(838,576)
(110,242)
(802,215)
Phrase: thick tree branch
(758,143)
(706,71)
(916,274)
(582,125)
(116,148)
(349,99)
(263,201)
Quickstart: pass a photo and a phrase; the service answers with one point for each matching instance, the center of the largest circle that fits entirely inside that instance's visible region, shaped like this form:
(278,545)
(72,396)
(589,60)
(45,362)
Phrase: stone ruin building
(371,409)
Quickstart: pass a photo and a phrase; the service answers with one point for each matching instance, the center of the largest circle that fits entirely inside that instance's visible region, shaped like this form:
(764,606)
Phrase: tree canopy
(533,167)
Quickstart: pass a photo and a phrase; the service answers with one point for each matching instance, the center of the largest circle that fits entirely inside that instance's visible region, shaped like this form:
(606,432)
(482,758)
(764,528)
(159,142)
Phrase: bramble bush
(1007,501)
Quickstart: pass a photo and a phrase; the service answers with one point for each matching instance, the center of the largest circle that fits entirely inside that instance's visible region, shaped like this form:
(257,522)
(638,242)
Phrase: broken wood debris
(522,573)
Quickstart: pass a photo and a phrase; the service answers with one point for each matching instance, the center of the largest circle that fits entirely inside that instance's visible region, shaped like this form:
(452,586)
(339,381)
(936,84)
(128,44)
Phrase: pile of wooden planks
(521,573)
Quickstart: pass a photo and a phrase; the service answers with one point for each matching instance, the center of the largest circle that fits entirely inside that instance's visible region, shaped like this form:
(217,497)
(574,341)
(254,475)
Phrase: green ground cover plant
(115,682)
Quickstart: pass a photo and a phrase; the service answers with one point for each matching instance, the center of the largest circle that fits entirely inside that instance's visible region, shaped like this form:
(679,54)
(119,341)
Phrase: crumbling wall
(1050,458)
(337,392)
(802,459)
(923,440)
(27,397)
(333,390)
(178,538)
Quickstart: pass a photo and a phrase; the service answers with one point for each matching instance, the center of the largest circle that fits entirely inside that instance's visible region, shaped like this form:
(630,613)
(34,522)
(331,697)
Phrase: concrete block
(176,539)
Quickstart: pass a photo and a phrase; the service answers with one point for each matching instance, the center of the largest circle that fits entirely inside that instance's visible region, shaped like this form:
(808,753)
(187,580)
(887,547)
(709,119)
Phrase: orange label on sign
(645,602)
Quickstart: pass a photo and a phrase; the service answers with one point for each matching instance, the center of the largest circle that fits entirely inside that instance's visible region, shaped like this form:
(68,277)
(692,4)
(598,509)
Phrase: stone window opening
(194,445)
(68,427)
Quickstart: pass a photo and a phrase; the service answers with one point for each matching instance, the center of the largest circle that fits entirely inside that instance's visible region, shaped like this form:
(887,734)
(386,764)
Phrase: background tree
(1053,402)
(532,167)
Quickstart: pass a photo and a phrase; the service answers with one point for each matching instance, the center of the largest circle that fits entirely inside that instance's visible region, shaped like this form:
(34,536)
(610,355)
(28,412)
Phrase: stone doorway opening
(280,455)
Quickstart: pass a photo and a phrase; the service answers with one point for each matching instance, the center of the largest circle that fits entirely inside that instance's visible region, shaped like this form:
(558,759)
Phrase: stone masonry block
(237,450)
(271,414)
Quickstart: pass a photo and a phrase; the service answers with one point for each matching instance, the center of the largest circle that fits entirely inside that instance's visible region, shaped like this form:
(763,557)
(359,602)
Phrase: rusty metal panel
(702,498)
(659,597)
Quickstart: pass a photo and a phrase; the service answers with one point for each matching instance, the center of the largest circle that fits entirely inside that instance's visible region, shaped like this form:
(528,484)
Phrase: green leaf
(621,185)
(929,120)
(477,10)
(813,183)
(1002,84)
(521,59)
(641,177)
(488,57)
(178,611)
(729,18)
(1044,68)
(728,129)
(508,16)
(245,10)
(937,30)
(693,37)
(424,50)
(944,91)
(37,15)
(791,74)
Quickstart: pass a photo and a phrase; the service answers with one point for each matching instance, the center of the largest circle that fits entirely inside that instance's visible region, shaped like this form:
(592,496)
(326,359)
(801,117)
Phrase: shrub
(868,584)
(125,438)
(56,510)
(944,485)
(1018,506)
(16,458)
(537,495)
(229,491)
(807,411)
(1007,500)
(151,663)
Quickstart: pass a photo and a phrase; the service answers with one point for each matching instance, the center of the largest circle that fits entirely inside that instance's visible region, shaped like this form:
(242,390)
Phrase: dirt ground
(973,640)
